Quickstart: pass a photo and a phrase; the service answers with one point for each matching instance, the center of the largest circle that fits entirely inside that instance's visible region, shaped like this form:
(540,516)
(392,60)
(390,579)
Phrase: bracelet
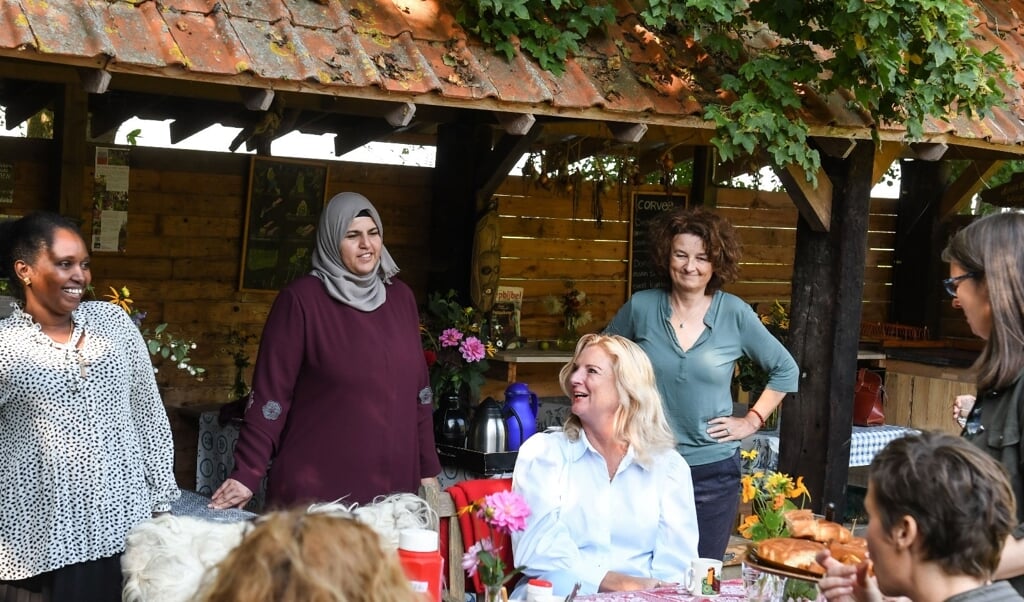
(758,414)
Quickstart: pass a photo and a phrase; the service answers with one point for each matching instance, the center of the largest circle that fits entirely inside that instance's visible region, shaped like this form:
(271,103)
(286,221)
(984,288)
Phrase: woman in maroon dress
(341,403)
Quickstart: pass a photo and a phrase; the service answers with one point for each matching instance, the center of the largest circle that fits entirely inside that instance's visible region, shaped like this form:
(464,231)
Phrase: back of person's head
(640,419)
(294,556)
(24,238)
(720,243)
(991,247)
(959,497)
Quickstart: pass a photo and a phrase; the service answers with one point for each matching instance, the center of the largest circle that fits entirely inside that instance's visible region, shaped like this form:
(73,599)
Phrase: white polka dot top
(86,445)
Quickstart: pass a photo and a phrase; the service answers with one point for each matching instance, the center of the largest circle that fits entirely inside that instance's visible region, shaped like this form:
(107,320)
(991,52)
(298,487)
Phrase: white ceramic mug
(705,577)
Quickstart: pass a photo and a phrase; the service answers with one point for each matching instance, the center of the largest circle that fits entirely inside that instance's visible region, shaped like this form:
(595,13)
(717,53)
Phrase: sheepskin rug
(168,558)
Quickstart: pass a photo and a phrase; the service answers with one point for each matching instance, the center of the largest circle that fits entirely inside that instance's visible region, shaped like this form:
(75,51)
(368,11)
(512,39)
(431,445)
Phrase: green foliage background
(900,60)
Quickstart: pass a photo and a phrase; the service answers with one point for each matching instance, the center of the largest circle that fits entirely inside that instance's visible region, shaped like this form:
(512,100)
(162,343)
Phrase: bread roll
(803,524)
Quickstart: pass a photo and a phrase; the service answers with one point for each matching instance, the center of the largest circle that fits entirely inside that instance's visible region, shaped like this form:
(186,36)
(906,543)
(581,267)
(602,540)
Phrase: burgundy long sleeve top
(341,404)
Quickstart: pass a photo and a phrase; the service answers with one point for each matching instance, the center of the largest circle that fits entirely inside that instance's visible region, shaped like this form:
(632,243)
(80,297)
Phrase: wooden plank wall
(545,244)
(186,221)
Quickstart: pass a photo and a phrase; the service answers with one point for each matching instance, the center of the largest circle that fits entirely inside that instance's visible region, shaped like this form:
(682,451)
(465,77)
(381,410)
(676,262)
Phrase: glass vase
(761,586)
(492,593)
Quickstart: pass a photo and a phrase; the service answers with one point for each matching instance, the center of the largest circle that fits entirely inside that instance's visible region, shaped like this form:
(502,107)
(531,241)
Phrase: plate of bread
(794,556)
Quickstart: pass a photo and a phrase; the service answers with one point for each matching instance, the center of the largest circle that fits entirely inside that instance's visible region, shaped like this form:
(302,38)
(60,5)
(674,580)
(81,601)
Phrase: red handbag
(868,398)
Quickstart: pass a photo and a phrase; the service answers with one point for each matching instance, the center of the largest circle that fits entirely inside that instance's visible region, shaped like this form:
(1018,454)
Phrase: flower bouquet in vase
(504,512)
(770,495)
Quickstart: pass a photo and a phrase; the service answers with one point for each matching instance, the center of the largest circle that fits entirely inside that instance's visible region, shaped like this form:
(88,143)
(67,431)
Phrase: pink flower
(505,510)
(472,350)
(450,337)
(471,559)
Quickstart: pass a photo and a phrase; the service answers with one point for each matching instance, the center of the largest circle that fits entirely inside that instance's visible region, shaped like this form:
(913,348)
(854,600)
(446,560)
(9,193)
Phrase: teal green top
(694,384)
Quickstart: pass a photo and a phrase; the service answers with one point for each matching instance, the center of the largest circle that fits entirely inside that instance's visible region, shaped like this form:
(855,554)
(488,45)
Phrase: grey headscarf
(365,293)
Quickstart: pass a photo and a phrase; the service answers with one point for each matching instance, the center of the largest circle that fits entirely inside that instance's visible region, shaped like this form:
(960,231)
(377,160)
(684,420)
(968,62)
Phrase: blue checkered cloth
(869,440)
(865,442)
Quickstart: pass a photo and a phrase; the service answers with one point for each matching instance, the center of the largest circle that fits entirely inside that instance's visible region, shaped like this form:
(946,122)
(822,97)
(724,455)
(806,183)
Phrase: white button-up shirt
(642,522)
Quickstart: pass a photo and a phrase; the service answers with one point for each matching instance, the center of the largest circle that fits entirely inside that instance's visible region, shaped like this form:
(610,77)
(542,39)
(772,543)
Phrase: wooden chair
(451,540)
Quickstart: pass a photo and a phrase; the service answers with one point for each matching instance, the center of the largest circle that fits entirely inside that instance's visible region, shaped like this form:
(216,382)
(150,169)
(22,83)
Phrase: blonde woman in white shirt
(87,450)
(611,500)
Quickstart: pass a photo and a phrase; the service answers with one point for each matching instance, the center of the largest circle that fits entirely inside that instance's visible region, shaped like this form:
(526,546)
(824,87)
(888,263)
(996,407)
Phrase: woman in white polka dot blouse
(87,450)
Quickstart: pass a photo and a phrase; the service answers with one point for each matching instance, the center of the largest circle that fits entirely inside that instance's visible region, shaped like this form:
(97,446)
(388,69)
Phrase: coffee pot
(488,432)
(521,408)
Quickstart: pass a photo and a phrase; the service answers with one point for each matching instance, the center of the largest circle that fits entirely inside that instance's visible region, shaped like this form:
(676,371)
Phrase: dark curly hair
(720,243)
(24,239)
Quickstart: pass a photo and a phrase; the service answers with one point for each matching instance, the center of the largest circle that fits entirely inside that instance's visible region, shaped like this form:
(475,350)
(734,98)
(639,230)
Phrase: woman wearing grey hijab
(340,405)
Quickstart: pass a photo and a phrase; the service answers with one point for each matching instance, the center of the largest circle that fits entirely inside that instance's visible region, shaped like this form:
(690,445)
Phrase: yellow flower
(121,299)
(777,481)
(748,454)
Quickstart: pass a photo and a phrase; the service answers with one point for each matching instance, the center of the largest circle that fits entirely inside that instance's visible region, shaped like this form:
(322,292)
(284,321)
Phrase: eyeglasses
(952,284)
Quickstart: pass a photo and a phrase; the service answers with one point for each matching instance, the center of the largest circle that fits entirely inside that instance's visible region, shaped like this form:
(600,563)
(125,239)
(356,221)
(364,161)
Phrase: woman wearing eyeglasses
(986,281)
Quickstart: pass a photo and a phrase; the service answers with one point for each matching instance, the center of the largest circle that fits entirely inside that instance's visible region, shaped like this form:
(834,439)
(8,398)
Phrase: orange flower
(780,499)
(746,529)
(749,491)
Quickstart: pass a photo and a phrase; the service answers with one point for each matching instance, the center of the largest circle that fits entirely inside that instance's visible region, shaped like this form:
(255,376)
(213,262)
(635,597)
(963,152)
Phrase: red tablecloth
(732,591)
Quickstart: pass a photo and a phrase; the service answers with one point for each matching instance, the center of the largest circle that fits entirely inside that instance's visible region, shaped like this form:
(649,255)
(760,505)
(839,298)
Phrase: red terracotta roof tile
(413,50)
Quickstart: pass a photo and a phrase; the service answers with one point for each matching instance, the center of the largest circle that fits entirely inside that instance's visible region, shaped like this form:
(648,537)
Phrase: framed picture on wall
(284,204)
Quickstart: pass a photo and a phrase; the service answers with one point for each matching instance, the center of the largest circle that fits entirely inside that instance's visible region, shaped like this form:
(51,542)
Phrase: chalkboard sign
(285,201)
(645,207)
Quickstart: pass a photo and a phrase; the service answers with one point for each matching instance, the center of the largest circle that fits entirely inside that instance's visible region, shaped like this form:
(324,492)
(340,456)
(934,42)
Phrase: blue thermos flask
(521,407)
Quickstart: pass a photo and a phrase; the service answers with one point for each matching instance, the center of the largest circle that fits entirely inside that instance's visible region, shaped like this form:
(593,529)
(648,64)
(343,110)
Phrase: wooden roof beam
(501,160)
(885,154)
(353,133)
(30,99)
(961,191)
(627,132)
(95,81)
(104,119)
(929,151)
(515,124)
(813,203)
(840,148)
(185,126)
(257,99)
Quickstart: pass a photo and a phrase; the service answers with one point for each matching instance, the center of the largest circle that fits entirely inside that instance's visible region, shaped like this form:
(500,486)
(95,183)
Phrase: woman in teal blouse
(693,333)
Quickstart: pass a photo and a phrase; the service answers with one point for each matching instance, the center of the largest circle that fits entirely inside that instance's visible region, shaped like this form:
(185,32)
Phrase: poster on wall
(110,200)
(283,208)
(6,183)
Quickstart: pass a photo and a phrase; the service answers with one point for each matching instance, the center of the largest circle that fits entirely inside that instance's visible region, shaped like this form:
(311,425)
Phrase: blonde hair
(292,556)
(640,418)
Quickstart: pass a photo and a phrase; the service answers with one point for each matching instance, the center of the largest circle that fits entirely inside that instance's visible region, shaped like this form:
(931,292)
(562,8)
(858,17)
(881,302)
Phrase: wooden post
(461,148)
(70,128)
(828,284)
(916,273)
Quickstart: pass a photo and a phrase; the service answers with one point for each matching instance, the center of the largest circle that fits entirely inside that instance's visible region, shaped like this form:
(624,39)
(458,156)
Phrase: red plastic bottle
(418,553)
